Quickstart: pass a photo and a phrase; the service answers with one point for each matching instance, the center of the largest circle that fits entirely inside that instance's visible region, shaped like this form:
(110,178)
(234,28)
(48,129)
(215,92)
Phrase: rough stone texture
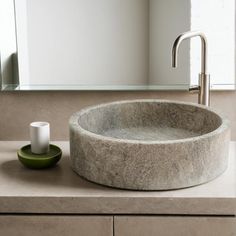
(149,144)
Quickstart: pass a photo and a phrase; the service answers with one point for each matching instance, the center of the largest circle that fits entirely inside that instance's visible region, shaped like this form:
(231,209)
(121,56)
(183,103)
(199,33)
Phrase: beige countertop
(60,191)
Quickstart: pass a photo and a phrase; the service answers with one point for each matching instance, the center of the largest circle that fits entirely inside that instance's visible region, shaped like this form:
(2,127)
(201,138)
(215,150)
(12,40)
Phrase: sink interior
(150,133)
(149,121)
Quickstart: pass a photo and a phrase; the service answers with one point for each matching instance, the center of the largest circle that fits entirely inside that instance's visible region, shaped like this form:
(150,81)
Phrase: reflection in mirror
(8,63)
(87,43)
(118,44)
(217,19)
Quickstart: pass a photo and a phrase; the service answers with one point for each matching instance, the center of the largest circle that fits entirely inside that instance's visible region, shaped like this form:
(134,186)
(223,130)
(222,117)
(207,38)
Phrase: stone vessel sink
(149,144)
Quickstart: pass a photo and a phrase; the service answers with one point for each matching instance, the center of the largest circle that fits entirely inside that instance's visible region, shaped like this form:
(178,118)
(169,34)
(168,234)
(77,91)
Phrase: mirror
(114,44)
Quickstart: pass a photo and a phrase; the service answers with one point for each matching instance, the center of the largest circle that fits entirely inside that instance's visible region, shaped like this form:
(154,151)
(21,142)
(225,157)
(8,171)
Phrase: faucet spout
(204,78)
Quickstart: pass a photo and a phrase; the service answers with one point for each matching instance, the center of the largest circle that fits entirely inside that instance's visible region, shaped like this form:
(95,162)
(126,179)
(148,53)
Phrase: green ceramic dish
(39,161)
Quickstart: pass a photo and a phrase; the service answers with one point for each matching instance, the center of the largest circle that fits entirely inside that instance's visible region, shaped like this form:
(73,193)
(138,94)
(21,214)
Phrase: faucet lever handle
(194,89)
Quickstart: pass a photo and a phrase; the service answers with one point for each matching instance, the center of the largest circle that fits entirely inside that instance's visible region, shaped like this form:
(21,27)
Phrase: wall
(18,109)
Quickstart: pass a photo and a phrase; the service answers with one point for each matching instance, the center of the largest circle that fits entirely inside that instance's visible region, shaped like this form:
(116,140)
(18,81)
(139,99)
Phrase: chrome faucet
(203,87)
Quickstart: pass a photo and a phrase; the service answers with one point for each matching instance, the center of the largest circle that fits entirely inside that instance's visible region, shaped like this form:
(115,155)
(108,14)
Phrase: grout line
(113,224)
(112,215)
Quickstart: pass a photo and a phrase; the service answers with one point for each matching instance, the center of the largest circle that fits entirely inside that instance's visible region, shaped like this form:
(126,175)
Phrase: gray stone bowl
(149,144)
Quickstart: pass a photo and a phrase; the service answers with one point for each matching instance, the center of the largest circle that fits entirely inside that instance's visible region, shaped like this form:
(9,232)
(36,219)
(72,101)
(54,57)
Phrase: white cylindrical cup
(39,137)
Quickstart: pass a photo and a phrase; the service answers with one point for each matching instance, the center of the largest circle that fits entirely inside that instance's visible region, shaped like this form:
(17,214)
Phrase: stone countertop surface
(61,191)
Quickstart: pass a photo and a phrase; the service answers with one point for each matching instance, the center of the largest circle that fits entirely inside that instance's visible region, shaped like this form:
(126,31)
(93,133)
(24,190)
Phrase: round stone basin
(149,144)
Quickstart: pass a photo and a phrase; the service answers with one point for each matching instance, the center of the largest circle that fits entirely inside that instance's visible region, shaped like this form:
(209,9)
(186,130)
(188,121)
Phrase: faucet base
(204,91)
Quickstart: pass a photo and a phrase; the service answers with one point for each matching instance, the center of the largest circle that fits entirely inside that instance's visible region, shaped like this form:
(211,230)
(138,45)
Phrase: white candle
(39,136)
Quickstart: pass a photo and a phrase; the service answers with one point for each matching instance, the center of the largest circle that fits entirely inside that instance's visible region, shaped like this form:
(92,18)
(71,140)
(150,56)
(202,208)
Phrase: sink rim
(73,123)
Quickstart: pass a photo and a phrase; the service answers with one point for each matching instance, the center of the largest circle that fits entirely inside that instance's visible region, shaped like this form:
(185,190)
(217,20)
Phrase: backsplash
(18,109)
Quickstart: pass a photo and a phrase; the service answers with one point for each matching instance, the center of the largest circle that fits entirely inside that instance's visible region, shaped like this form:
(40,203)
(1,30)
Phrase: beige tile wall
(18,109)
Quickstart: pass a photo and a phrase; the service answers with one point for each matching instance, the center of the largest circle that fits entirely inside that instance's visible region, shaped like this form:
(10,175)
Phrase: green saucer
(39,161)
